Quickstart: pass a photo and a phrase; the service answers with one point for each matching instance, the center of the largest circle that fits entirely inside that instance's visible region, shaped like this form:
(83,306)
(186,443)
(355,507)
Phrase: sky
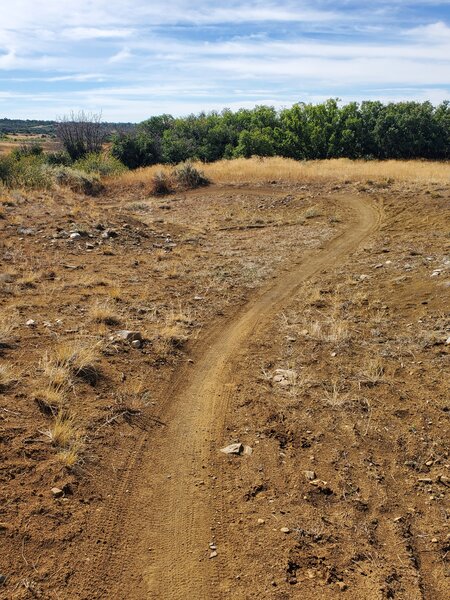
(131,59)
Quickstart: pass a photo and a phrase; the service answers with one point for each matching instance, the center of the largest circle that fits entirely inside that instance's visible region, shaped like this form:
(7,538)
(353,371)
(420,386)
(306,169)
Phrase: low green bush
(24,171)
(102,165)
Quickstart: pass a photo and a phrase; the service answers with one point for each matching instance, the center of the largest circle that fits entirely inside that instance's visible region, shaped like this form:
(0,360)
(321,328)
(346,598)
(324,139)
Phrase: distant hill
(36,127)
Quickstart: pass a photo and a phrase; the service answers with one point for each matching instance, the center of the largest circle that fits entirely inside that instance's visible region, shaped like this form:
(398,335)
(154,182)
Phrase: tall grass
(263,170)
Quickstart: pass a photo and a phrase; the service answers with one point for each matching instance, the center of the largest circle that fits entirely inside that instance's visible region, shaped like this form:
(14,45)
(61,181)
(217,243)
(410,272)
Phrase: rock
(89,246)
(444,479)
(310,475)
(285,530)
(341,586)
(261,521)
(213,554)
(237,448)
(129,336)
(285,377)
(75,235)
(2,579)
(434,541)
(57,492)
(136,343)
(30,323)
(109,233)
(248,450)
(25,231)
(447,341)
(425,480)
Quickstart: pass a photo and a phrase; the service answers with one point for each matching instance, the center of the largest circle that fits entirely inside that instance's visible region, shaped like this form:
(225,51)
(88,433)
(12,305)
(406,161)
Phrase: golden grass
(263,170)
(102,312)
(63,432)
(8,376)
(7,325)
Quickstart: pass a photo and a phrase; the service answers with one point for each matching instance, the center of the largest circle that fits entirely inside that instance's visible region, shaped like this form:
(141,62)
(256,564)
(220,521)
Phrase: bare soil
(345,493)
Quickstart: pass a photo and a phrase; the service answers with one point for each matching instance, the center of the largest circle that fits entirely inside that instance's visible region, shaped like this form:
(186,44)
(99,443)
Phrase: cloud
(132,58)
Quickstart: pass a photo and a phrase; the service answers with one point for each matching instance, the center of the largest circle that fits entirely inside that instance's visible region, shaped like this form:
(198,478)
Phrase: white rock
(237,448)
(285,530)
(75,235)
(129,336)
(136,343)
(31,323)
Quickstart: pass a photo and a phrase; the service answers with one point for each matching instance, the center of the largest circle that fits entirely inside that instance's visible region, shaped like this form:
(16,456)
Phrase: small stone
(89,246)
(129,336)
(429,463)
(285,530)
(136,343)
(447,341)
(57,492)
(75,235)
(213,554)
(31,323)
(444,479)
(434,541)
(425,480)
(310,475)
(237,448)
(261,521)
(2,579)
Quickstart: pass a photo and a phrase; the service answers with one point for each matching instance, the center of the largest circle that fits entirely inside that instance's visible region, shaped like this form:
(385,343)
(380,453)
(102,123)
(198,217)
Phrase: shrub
(102,165)
(58,158)
(24,171)
(187,176)
(161,184)
(76,180)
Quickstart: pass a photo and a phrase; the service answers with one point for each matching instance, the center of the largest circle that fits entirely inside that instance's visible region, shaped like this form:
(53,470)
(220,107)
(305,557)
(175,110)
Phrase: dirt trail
(160,548)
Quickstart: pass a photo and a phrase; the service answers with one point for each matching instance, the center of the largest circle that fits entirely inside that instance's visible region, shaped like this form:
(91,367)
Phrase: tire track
(165,522)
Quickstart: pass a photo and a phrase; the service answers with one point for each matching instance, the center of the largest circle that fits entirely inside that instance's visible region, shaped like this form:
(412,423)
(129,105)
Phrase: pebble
(213,554)
(285,530)
(310,475)
(136,343)
(75,235)
(31,323)
(261,521)
(2,579)
(57,492)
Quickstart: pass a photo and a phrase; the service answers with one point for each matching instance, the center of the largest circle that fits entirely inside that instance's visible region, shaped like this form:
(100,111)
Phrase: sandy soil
(345,491)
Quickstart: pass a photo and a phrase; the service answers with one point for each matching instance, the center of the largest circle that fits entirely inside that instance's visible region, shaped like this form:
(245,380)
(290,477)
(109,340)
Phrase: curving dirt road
(157,532)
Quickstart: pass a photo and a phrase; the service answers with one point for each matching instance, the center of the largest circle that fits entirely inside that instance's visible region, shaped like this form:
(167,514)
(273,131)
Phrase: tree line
(366,130)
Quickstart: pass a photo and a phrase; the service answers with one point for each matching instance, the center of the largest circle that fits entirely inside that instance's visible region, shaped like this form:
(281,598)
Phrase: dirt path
(159,525)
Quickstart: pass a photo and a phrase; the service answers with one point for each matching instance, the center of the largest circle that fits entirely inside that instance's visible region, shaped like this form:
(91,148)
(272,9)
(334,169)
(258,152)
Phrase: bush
(19,171)
(187,176)
(102,165)
(76,180)
(161,184)
(58,158)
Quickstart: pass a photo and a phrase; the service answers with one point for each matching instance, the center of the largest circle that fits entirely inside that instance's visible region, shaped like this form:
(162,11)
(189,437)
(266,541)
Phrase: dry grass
(63,433)
(258,170)
(8,324)
(372,372)
(8,376)
(103,312)
(334,330)
(72,358)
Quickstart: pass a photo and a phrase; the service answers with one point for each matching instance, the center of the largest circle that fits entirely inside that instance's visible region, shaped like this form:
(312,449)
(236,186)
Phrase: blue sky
(131,59)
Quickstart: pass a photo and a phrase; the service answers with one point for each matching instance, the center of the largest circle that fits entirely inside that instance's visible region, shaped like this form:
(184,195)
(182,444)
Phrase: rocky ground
(342,397)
